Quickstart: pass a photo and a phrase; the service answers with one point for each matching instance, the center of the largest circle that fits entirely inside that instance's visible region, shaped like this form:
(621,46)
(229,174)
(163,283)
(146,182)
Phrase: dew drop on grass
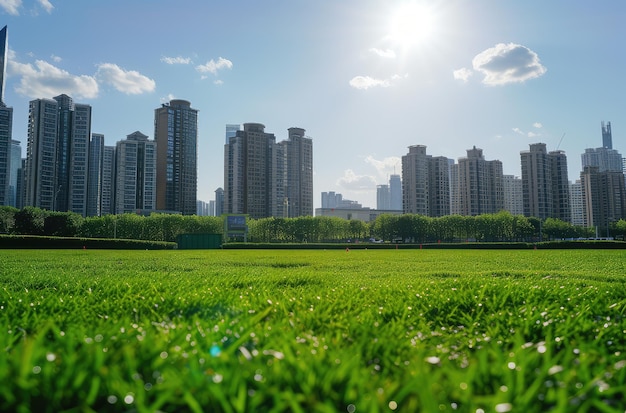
(112,399)
(217,378)
(504,407)
(36,369)
(129,398)
(511,365)
(433,360)
(351,408)
(393,405)
(51,356)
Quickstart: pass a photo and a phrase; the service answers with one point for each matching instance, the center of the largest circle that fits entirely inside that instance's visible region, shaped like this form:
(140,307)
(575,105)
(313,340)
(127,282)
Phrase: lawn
(326,331)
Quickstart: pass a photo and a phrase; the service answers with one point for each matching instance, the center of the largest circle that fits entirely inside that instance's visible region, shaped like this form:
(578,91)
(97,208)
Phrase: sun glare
(411,24)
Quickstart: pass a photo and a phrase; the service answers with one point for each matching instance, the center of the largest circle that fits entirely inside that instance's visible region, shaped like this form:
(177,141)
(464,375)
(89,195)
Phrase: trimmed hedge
(43,242)
(587,244)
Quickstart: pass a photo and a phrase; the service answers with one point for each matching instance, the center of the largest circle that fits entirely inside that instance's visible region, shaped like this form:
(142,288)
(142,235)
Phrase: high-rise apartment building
(6,125)
(107,195)
(415,181)
(425,183)
(219,202)
(395,192)
(383,197)
(576,204)
(480,187)
(250,185)
(57,154)
(176,136)
(135,174)
(263,178)
(513,194)
(298,173)
(14,172)
(94,189)
(545,183)
(604,197)
(605,159)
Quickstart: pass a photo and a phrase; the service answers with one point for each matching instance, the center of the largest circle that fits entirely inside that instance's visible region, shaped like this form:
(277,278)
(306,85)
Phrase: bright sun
(412,24)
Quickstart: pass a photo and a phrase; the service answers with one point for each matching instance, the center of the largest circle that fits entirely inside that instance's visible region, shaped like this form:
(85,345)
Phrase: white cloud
(366,82)
(387,53)
(55,59)
(47,6)
(386,166)
(179,60)
(212,66)
(518,131)
(46,80)
(126,81)
(462,74)
(508,63)
(537,125)
(11,6)
(218,82)
(354,182)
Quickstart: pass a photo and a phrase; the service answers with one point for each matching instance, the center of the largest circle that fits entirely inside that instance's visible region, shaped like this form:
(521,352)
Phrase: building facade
(480,187)
(395,192)
(94,189)
(415,181)
(107,196)
(545,183)
(298,176)
(263,178)
(176,136)
(603,196)
(135,174)
(57,155)
(6,126)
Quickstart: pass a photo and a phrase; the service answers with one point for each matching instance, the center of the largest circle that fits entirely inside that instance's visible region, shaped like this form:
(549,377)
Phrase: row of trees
(398,228)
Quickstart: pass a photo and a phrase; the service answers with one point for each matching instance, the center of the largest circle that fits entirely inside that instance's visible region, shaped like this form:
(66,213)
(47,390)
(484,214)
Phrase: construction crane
(561,140)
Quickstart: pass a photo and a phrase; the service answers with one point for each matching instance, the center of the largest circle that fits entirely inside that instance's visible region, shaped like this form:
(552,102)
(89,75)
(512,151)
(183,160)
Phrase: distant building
(15,167)
(357,213)
(332,200)
(202,209)
(298,158)
(607,136)
(231,131)
(480,186)
(263,178)
(94,189)
(605,159)
(545,183)
(383,197)
(513,194)
(6,126)
(425,183)
(176,136)
(135,174)
(107,196)
(576,204)
(604,197)
(57,154)
(219,202)
(395,192)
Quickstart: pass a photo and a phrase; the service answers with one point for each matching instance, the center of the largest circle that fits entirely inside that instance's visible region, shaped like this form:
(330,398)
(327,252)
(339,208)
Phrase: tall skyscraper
(14,172)
(415,181)
(604,197)
(250,185)
(231,131)
(480,187)
(219,202)
(545,183)
(395,192)
(576,204)
(96,158)
(57,154)
(607,137)
(107,196)
(513,194)
(383,197)
(425,183)
(176,136)
(263,178)
(6,124)
(135,174)
(298,174)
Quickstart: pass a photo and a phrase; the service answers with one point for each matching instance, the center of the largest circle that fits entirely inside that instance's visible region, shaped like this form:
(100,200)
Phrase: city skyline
(364,85)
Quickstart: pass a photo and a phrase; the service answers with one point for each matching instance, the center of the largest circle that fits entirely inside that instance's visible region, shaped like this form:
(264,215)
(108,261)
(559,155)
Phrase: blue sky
(365,78)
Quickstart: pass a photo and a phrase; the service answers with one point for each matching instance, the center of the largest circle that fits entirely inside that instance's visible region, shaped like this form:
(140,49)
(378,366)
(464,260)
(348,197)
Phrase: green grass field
(313,331)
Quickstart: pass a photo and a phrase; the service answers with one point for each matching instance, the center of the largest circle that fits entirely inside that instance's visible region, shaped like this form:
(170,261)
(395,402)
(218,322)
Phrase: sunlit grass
(403,330)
